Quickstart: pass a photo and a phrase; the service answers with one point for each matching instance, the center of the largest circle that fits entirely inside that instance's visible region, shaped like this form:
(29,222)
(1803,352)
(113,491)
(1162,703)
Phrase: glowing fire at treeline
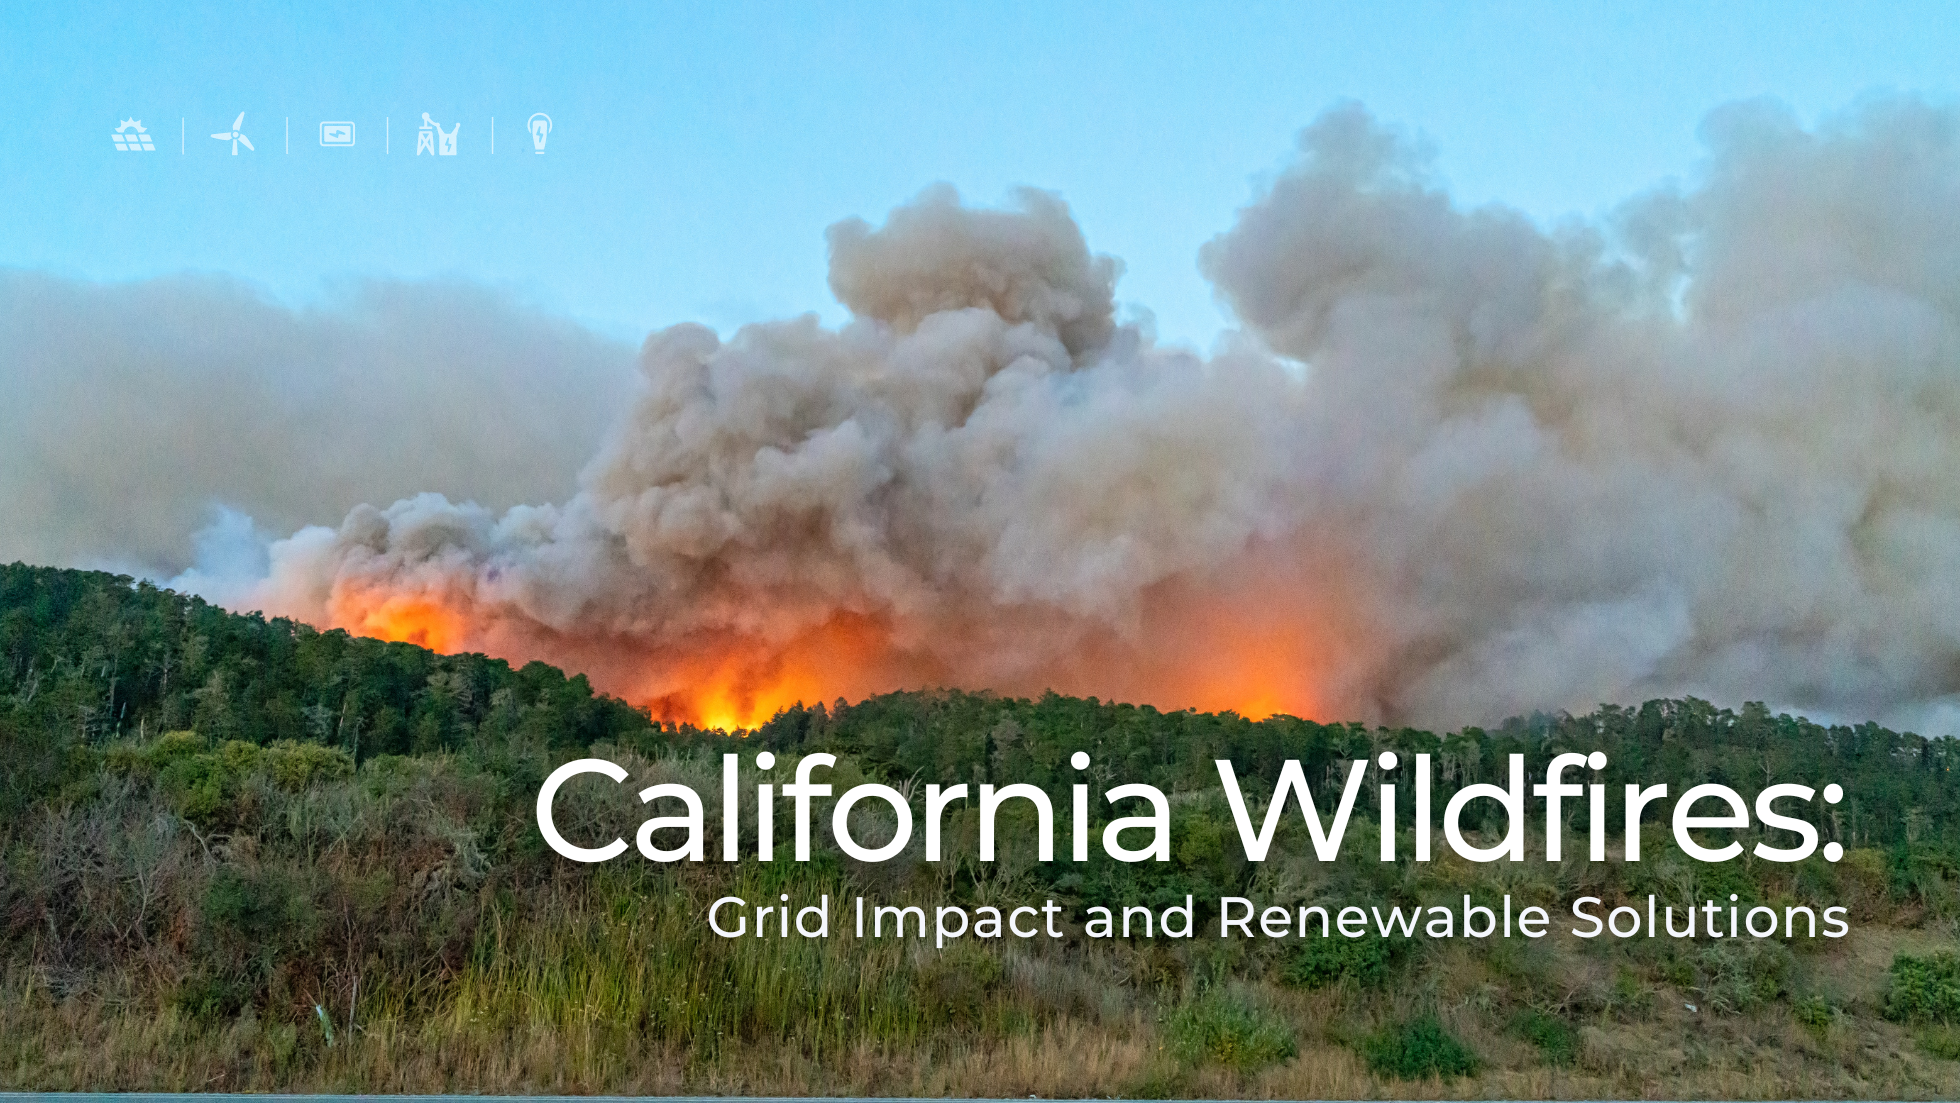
(735,684)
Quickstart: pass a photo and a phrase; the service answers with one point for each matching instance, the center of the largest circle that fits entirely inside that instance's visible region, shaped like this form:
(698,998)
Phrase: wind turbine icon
(235,135)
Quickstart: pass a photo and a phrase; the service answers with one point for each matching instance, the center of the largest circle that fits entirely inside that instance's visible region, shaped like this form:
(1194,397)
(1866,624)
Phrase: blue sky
(699,150)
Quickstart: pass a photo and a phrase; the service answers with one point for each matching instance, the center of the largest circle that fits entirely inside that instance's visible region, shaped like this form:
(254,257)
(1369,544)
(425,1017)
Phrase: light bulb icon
(540,126)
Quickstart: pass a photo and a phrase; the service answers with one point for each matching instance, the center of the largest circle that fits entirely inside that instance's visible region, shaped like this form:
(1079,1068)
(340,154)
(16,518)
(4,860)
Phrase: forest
(240,853)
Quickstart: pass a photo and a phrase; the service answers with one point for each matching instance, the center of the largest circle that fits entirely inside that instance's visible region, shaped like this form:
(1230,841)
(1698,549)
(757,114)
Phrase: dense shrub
(954,985)
(1942,1042)
(1924,989)
(1224,1027)
(260,909)
(1738,976)
(212,996)
(1555,1037)
(1417,1048)
(202,780)
(1814,1012)
(1323,961)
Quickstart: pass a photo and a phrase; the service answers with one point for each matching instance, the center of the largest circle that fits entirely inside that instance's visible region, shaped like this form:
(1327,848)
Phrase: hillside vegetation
(238,853)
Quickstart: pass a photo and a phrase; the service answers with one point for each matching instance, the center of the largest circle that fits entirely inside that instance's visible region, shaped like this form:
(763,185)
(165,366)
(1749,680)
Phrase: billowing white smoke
(1709,447)
(128,411)
(1456,467)
(982,465)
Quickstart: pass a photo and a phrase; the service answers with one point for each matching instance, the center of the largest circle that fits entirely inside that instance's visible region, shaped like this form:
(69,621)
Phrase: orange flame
(1272,640)
(406,619)
(740,684)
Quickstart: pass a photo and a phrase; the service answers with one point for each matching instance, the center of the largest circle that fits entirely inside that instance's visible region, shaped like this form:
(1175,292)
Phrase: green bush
(1417,1048)
(174,745)
(202,781)
(1924,989)
(212,996)
(953,987)
(1323,961)
(1942,1042)
(198,785)
(259,909)
(1630,995)
(1222,1027)
(1814,1012)
(1551,1034)
(1739,976)
(294,766)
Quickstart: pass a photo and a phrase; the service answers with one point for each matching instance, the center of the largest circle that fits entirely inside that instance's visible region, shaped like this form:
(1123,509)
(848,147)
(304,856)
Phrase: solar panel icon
(130,137)
(336,134)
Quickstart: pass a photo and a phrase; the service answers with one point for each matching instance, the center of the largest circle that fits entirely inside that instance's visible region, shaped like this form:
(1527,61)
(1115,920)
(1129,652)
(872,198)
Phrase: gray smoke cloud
(1455,465)
(1705,446)
(134,413)
(982,471)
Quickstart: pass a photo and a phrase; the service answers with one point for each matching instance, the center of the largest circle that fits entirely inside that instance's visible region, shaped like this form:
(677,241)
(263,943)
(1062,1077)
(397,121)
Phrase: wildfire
(731,696)
(730,685)
(1254,657)
(738,686)
(405,619)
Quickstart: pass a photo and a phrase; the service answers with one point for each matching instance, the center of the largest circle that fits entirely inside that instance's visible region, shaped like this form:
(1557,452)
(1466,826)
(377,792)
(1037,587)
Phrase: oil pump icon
(432,138)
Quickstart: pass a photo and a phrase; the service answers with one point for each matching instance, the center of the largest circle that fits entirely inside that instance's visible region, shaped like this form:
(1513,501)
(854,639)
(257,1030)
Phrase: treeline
(89,658)
(1901,788)
(1902,793)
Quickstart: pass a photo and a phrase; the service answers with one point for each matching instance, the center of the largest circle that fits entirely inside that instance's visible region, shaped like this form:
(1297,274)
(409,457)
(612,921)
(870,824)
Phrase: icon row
(431,138)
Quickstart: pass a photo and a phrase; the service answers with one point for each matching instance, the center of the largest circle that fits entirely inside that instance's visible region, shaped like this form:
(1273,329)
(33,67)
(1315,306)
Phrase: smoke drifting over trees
(1455,466)
(128,410)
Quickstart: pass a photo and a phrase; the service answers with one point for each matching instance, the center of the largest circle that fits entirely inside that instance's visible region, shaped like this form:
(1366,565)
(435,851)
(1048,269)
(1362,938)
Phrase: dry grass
(87,1044)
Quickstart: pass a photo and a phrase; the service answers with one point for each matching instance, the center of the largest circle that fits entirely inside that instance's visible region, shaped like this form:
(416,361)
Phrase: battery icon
(336,134)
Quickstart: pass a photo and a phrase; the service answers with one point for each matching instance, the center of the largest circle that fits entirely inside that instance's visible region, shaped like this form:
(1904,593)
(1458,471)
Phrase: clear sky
(698,151)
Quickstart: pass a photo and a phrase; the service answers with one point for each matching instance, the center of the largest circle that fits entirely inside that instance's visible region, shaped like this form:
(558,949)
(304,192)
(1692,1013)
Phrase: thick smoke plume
(128,411)
(1455,466)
